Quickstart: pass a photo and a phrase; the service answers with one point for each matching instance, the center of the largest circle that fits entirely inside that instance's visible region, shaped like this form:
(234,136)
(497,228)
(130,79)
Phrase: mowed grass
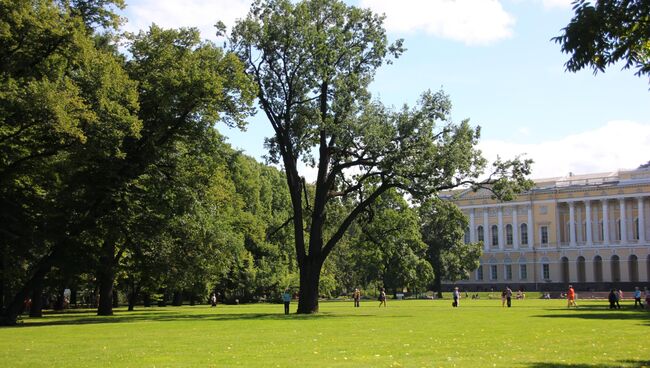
(413,333)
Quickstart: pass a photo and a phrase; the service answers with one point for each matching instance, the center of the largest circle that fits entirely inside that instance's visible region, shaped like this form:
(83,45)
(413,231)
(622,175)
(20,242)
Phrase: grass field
(413,333)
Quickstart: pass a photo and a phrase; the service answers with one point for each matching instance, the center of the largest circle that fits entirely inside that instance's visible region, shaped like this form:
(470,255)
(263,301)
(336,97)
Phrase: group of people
(614,298)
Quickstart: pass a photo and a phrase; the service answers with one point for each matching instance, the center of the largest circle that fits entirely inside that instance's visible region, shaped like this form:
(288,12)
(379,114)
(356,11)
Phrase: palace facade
(591,231)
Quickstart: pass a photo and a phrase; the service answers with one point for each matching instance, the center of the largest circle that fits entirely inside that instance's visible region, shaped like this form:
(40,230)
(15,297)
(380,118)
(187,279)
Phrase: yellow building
(591,231)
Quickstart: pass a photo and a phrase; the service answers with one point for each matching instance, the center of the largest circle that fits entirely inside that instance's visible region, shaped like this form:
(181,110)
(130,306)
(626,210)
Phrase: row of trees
(112,171)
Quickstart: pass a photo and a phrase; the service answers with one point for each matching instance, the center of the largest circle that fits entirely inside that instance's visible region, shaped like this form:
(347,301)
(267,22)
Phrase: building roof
(568,182)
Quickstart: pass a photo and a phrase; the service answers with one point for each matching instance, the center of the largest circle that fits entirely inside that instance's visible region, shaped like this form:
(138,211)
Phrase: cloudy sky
(496,60)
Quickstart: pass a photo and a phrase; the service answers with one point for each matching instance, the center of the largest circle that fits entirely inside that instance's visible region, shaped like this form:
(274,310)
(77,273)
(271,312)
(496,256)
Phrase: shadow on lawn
(598,313)
(629,363)
(153,316)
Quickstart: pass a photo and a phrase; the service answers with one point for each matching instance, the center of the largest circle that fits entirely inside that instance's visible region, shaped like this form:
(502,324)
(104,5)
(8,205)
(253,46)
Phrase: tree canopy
(312,62)
(605,32)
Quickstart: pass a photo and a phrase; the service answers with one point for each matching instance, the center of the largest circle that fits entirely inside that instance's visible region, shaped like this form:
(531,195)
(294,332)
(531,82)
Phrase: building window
(509,234)
(544,234)
(635,229)
(493,272)
(618,229)
(598,269)
(479,273)
(565,270)
(616,268)
(546,271)
(524,234)
(633,268)
(508,273)
(467,238)
(479,232)
(523,272)
(580,265)
(495,236)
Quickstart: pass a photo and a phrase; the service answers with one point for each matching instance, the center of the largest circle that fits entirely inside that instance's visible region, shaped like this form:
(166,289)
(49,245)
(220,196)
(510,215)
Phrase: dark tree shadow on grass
(628,363)
(171,316)
(642,317)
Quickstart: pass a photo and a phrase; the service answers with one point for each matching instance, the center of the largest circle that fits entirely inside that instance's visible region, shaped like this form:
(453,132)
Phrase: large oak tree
(313,62)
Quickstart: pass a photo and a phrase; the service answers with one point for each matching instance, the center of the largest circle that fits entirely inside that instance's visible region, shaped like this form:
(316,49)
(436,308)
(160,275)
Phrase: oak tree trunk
(309,281)
(36,310)
(105,278)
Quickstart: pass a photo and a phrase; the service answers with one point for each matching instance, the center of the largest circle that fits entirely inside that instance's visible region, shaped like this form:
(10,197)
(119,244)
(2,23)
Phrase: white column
(572,225)
(579,215)
(515,228)
(621,202)
(588,221)
(472,230)
(641,216)
(531,227)
(500,227)
(486,230)
(606,240)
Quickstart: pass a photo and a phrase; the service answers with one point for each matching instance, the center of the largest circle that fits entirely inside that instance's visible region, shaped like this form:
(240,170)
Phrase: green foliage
(605,32)
(387,247)
(443,229)
(312,62)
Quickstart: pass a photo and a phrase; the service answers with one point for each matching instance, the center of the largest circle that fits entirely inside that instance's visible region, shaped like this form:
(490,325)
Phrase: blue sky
(496,61)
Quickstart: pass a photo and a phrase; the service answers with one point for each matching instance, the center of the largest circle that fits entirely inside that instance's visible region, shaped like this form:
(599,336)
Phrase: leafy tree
(605,32)
(390,249)
(185,86)
(443,230)
(61,95)
(79,134)
(312,62)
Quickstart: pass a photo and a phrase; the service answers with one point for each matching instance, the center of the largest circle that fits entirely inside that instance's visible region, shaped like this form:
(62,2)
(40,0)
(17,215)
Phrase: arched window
(480,234)
(598,269)
(565,270)
(524,234)
(616,268)
(633,268)
(580,265)
(495,235)
(509,234)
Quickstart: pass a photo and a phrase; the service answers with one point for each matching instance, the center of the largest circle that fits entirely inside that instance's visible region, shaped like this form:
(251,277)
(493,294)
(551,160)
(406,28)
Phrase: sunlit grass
(422,333)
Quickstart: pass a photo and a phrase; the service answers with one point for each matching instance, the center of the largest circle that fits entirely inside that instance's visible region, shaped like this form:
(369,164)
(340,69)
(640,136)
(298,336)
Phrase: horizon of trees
(114,179)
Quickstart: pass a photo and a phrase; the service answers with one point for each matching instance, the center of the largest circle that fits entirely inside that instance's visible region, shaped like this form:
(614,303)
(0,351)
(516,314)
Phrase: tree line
(114,179)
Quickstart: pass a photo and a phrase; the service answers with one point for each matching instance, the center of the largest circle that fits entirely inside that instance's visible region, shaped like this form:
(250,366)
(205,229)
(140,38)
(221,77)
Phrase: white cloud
(202,14)
(474,22)
(616,145)
(564,4)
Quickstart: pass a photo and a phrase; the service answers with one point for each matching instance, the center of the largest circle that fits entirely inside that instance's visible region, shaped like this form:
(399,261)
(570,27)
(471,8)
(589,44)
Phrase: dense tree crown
(115,183)
(312,62)
(606,32)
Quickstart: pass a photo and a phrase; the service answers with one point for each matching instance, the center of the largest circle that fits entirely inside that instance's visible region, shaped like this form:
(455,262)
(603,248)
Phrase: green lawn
(422,333)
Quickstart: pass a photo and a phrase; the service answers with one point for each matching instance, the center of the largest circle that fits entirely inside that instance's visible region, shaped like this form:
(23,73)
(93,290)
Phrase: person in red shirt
(571,298)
